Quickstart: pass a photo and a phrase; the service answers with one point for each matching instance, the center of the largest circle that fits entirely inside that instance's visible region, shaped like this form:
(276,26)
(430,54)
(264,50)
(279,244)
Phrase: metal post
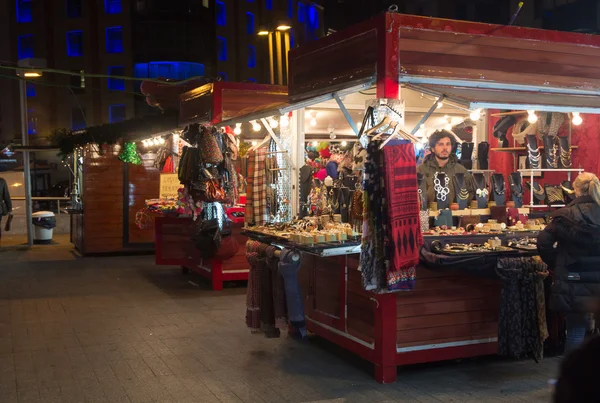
(279,58)
(271,59)
(26,162)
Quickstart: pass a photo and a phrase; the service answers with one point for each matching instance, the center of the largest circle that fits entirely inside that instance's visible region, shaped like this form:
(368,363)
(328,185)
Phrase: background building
(142,38)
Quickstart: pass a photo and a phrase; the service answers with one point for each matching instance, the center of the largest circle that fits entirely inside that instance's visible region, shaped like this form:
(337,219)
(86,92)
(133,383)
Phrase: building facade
(131,38)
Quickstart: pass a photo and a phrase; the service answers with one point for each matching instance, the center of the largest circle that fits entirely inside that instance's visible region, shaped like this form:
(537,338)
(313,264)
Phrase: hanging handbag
(229,245)
(207,238)
(554,195)
(208,146)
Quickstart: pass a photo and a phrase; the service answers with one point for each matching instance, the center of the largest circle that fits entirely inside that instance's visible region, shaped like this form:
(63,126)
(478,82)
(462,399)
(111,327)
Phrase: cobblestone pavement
(124,330)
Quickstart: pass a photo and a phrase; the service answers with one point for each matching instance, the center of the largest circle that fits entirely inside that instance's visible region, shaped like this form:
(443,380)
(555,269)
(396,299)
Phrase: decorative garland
(67,141)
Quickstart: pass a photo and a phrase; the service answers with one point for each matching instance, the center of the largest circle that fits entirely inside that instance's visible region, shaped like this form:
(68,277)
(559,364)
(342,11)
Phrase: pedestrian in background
(570,246)
(5,203)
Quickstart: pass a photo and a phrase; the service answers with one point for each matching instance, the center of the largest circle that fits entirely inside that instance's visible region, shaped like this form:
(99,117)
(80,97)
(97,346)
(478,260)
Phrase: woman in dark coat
(570,245)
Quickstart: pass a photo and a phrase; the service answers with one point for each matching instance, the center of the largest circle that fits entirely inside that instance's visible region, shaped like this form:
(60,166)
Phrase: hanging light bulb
(448,127)
(255,125)
(145,143)
(273,123)
(161,140)
(284,121)
(440,104)
(254,143)
(155,141)
(315,143)
(576,119)
(532,117)
(238,129)
(313,122)
(344,143)
(475,115)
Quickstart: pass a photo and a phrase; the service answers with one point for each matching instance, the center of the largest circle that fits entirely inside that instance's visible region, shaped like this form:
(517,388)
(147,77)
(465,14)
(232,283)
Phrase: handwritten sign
(169,184)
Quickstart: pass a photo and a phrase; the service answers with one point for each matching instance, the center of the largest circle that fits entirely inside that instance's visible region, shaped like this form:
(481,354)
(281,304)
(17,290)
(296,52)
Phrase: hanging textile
(256,193)
(402,199)
(278,293)
(256,261)
(522,322)
(288,268)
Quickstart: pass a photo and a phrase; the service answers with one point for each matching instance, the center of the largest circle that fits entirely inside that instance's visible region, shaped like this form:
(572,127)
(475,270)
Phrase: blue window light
(31,121)
(74,43)
(251,56)
(301,12)
(114,40)
(221,13)
(224,76)
(117,113)
(26,43)
(113,6)
(78,119)
(313,17)
(116,84)
(172,70)
(290,8)
(24,13)
(250,23)
(30,91)
(222,48)
(269,4)
(252,80)
(292,39)
(74,8)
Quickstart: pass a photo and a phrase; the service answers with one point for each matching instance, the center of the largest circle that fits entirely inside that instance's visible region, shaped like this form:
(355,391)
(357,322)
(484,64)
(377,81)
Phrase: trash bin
(43,226)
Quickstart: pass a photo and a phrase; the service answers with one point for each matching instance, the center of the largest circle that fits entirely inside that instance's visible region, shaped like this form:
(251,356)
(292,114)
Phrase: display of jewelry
(554,195)
(516,188)
(493,245)
(539,194)
(568,191)
(565,153)
(481,192)
(551,152)
(467,155)
(441,183)
(499,189)
(422,189)
(526,243)
(460,189)
(483,150)
(533,152)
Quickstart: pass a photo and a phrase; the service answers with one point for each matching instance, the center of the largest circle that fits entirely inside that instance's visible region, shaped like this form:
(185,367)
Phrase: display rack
(530,172)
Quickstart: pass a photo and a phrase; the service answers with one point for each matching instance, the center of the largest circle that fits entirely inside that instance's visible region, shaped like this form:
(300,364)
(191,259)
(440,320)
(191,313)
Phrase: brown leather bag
(214,192)
(229,247)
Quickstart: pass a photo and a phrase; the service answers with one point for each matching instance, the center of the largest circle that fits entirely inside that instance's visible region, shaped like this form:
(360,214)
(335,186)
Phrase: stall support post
(388,63)
(26,161)
(385,337)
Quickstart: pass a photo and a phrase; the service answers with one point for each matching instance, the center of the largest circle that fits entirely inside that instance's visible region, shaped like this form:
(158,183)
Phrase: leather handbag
(229,246)
(8,224)
(554,195)
(207,238)
(210,152)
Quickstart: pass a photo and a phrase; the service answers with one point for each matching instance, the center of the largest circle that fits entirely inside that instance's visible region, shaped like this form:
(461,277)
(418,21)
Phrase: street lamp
(27,70)
(280,35)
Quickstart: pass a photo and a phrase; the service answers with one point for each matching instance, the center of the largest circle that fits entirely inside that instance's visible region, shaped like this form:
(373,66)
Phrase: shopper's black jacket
(5,203)
(570,245)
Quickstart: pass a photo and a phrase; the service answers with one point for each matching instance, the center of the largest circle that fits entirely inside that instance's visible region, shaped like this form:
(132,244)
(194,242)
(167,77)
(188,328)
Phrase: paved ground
(124,330)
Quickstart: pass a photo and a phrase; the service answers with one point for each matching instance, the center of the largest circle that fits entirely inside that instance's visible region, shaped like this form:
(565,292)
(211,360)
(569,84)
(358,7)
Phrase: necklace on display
(534,156)
(442,192)
(463,194)
(483,193)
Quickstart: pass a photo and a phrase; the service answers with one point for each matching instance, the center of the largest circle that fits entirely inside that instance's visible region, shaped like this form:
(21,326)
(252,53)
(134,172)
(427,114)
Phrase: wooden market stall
(448,314)
(210,104)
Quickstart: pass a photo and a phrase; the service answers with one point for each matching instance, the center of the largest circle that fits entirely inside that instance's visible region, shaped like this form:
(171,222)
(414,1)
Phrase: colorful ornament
(130,155)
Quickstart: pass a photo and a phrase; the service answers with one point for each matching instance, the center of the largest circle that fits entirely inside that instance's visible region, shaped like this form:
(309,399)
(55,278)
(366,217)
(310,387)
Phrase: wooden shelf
(517,149)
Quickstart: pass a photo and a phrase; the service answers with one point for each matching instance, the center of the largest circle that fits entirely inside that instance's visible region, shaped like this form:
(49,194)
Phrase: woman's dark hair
(439,135)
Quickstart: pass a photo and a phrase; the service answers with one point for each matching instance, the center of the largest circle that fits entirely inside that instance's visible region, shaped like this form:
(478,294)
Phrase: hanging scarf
(404,228)
(256,205)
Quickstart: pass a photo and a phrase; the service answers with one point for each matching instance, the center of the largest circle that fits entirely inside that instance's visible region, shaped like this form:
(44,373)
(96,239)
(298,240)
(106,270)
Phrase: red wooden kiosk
(211,104)
(448,315)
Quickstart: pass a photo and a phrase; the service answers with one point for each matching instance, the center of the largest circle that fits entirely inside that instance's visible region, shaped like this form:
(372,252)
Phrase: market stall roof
(219,101)
(445,55)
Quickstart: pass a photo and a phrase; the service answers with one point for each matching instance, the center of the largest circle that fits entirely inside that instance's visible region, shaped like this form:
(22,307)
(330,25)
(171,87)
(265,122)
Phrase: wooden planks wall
(361,315)
(103,203)
(447,307)
(143,183)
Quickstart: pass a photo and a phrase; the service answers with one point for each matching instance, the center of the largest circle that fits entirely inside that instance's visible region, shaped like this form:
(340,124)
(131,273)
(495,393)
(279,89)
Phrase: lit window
(222,48)
(73,8)
(30,89)
(224,76)
(292,39)
(221,13)
(250,23)
(116,84)
(252,80)
(78,119)
(24,13)
(114,40)
(31,121)
(269,4)
(172,70)
(113,6)
(251,56)
(290,8)
(117,113)
(75,43)
(26,43)
(313,17)
(301,12)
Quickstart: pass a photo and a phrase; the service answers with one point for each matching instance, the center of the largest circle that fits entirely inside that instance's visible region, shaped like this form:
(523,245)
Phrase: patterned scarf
(256,193)
(402,199)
